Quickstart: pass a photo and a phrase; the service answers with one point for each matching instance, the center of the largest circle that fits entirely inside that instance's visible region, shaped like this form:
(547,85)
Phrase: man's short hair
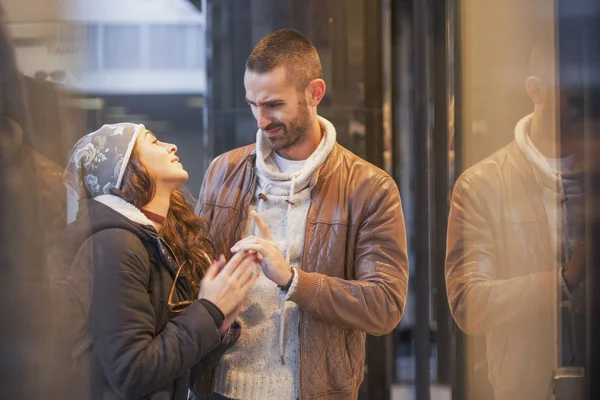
(542,62)
(549,53)
(290,49)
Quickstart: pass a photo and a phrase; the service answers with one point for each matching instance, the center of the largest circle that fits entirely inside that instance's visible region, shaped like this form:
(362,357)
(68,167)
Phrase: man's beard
(292,134)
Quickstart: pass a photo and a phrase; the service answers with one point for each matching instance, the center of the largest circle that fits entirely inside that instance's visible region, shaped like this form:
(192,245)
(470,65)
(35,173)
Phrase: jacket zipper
(171,251)
(187,284)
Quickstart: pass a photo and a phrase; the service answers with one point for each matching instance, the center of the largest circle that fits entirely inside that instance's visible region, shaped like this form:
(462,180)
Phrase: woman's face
(160,160)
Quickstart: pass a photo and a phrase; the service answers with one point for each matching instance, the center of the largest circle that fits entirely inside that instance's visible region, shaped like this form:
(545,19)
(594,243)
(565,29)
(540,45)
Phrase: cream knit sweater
(264,364)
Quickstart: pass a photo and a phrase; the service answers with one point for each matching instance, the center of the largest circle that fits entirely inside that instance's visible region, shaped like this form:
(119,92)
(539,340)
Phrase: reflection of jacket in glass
(502,267)
(33,208)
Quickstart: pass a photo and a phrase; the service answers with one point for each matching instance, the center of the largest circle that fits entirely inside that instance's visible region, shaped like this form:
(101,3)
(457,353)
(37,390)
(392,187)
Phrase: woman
(150,261)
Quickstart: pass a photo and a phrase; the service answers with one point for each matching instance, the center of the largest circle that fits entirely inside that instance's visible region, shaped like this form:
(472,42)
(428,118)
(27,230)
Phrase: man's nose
(262,119)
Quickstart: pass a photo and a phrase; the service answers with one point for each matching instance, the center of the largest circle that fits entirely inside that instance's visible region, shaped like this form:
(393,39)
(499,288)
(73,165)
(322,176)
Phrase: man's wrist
(288,283)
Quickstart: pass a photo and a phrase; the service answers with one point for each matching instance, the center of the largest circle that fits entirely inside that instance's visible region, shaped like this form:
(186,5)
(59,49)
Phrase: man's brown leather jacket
(354,273)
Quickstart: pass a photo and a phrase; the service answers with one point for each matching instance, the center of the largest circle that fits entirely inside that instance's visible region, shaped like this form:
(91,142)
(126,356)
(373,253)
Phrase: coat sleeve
(479,300)
(135,359)
(373,302)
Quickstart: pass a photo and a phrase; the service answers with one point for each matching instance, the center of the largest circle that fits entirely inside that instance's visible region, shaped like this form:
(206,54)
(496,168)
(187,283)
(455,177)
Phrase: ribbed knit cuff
(307,288)
(286,294)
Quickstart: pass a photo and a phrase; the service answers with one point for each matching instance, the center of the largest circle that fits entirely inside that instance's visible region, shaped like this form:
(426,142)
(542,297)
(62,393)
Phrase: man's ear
(316,91)
(536,90)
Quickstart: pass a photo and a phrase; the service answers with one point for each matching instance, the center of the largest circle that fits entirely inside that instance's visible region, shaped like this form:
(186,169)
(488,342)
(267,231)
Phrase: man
(329,226)
(33,204)
(515,239)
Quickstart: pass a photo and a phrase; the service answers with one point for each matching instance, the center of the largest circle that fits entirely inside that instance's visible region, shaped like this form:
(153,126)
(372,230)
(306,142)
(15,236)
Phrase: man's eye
(155,141)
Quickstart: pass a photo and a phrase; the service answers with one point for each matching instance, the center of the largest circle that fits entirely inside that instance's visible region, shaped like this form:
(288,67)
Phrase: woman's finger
(249,278)
(212,271)
(244,265)
(233,263)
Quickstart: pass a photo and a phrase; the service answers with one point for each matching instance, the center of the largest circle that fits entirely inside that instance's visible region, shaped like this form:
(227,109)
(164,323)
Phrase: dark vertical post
(373,62)
(378,348)
(459,342)
(441,192)
(401,27)
(421,142)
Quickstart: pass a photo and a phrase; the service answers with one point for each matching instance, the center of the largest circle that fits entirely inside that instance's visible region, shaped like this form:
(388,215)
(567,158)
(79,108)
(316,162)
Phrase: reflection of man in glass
(515,238)
(32,209)
(329,226)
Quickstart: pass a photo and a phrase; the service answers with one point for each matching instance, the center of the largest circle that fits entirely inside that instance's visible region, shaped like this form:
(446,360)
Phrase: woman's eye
(155,141)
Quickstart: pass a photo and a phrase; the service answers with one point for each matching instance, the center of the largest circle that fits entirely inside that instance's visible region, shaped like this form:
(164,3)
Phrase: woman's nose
(171,148)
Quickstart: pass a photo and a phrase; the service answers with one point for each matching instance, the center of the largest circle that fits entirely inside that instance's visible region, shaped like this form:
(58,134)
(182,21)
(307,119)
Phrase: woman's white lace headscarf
(98,161)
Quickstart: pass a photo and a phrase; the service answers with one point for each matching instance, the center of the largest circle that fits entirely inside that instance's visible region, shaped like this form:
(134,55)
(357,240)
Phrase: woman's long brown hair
(184,232)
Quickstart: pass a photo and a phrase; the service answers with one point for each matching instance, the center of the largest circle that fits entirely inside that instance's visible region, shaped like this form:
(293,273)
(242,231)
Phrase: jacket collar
(124,208)
(309,173)
(540,166)
(133,214)
(329,164)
